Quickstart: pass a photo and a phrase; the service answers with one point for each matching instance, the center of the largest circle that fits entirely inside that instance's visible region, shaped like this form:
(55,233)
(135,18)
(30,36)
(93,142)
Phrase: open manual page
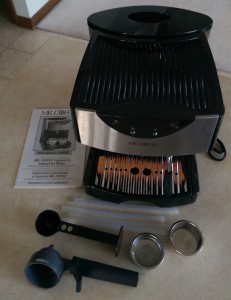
(51,157)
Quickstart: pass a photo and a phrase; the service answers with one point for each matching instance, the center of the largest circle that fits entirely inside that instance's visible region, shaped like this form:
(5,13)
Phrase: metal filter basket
(186,237)
(147,251)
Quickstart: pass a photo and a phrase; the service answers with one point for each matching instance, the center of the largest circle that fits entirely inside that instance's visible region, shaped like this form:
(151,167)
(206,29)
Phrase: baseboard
(30,23)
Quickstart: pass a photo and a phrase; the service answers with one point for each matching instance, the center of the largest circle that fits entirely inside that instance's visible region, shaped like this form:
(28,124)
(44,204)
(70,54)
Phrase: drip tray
(117,177)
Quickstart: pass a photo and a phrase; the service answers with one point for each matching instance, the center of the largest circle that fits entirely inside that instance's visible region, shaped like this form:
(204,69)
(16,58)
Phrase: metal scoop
(49,222)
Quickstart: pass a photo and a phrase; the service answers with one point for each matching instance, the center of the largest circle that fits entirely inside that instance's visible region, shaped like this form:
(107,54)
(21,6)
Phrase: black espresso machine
(146,100)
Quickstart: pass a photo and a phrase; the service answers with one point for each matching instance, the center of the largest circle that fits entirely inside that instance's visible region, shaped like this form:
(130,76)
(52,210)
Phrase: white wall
(27,8)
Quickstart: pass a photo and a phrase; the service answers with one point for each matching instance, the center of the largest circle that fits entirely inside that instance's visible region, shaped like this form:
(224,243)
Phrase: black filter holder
(49,222)
(45,269)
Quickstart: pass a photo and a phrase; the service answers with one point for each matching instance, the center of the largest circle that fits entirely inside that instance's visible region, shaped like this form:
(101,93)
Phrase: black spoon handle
(92,234)
(48,223)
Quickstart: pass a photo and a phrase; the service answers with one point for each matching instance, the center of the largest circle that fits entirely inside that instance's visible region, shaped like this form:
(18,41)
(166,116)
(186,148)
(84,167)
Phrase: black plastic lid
(149,21)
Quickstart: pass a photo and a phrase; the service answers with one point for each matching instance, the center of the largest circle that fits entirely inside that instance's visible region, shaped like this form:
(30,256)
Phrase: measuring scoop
(49,222)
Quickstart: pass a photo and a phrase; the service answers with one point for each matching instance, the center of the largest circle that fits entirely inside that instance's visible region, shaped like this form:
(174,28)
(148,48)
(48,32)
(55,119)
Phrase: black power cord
(218,152)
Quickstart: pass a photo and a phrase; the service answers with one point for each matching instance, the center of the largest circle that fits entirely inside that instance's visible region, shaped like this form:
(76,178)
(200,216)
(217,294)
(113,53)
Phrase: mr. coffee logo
(142,144)
(57,112)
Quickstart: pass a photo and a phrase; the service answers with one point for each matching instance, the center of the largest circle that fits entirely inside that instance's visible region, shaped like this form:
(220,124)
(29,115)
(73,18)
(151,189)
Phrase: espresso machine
(146,100)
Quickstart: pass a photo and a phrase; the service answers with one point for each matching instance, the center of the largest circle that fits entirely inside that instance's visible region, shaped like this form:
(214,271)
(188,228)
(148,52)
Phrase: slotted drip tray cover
(118,177)
(138,175)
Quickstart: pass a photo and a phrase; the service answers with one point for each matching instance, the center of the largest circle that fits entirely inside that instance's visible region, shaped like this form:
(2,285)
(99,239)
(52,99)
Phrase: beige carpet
(69,17)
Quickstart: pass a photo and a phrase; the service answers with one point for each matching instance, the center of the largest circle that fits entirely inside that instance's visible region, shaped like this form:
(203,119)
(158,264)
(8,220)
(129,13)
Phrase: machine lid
(149,21)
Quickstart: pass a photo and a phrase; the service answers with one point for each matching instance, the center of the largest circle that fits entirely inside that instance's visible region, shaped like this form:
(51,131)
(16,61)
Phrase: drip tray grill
(117,178)
(138,175)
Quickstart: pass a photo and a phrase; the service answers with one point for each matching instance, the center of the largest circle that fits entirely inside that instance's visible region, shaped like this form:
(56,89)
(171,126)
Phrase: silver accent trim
(194,138)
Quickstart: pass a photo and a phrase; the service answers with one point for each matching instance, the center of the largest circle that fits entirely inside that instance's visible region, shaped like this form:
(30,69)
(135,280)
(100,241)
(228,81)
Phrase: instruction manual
(51,157)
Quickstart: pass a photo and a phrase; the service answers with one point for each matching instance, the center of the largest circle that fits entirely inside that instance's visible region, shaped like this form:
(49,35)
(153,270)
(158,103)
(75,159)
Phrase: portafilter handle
(87,268)
(46,266)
